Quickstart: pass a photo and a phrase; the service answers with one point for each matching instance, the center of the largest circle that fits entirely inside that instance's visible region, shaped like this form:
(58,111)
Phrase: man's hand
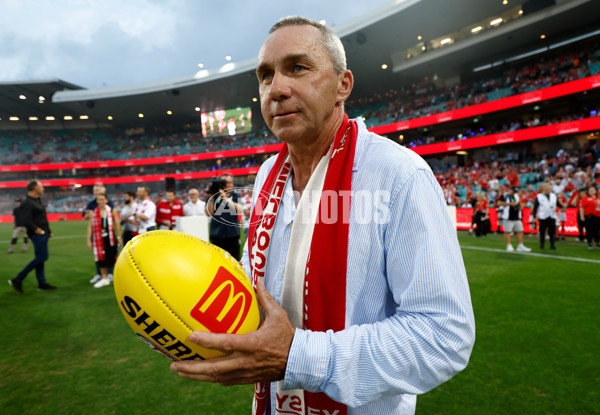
(258,356)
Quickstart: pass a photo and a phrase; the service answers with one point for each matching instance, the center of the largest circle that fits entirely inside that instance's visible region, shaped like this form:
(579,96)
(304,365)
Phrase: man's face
(39,189)
(126,198)
(141,193)
(98,190)
(228,182)
(297,83)
(170,196)
(194,194)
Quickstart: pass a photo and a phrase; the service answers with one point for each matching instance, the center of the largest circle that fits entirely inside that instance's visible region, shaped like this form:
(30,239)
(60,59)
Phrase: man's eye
(266,76)
(298,68)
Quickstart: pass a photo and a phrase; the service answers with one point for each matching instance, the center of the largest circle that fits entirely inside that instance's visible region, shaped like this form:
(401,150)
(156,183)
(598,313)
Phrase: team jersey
(168,212)
(590,205)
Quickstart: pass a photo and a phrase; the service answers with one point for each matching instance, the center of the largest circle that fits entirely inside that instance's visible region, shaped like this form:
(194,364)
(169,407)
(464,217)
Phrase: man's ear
(345,84)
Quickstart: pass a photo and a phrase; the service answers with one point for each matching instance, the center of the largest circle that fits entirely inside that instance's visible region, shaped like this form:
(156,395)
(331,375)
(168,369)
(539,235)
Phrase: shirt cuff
(308,361)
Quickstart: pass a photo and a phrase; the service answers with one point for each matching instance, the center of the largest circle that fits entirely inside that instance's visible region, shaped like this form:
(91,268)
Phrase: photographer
(224,208)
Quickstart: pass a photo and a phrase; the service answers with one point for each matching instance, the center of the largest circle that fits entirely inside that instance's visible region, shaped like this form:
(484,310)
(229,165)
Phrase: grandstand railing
(144,161)
(136,179)
(534,133)
(556,91)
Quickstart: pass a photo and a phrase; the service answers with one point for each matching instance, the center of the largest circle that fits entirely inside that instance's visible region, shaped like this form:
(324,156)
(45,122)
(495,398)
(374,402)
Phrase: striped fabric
(409,319)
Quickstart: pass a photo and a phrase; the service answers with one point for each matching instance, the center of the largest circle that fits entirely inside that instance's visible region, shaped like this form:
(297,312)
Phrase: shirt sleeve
(429,335)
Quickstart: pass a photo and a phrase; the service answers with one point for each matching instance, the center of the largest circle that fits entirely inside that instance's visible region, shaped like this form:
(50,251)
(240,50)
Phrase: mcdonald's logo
(225,305)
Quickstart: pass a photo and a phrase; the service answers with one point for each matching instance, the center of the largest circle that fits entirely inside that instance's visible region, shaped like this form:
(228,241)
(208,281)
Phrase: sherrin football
(169,284)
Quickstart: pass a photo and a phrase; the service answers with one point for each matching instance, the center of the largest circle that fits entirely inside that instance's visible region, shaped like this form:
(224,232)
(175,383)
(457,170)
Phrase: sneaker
(11,250)
(509,248)
(17,285)
(523,248)
(46,287)
(24,249)
(110,277)
(96,278)
(590,246)
(102,283)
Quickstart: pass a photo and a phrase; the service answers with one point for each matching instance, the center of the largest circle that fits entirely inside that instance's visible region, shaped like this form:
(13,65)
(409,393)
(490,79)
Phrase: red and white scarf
(98,243)
(323,299)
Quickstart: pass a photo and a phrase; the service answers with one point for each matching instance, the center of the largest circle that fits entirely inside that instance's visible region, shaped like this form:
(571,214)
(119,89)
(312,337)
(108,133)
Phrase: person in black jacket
(18,229)
(38,231)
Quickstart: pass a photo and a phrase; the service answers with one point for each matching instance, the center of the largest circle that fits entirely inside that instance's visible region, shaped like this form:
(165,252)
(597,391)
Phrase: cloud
(95,43)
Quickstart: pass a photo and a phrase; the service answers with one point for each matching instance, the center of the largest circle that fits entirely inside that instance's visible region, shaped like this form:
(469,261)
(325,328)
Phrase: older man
(365,293)
(195,206)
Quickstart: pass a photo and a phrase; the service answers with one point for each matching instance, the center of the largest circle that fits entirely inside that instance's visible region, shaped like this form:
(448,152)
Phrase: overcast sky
(97,43)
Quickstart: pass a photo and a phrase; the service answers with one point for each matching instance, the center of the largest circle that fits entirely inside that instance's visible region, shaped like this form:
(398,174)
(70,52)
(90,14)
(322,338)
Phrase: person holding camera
(224,208)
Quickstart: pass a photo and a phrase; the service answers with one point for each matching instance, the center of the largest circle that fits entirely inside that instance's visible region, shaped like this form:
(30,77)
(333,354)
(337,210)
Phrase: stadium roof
(384,37)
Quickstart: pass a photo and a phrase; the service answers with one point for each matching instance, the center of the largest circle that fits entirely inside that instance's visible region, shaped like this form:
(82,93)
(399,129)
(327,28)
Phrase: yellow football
(169,284)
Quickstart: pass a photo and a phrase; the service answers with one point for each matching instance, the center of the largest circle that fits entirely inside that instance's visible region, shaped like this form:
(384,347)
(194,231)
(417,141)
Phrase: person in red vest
(590,213)
(167,210)
(575,201)
(482,218)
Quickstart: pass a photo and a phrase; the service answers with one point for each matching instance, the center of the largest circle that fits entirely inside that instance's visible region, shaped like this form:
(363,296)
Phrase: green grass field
(71,352)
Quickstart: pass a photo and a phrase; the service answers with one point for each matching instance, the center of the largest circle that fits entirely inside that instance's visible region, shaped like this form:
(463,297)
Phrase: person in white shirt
(544,209)
(145,212)
(127,220)
(195,206)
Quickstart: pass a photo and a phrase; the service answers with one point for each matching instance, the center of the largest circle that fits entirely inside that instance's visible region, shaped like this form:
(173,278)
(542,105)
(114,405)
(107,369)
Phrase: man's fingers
(264,298)
(223,342)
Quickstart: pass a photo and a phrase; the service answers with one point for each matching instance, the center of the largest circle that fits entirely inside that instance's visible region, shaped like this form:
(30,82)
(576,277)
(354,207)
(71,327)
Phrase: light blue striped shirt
(409,319)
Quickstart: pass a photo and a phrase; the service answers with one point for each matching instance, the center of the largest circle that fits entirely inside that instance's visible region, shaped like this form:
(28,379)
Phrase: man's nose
(279,88)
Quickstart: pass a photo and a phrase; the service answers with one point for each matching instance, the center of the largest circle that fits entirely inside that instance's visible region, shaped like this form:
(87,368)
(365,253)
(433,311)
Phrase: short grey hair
(329,40)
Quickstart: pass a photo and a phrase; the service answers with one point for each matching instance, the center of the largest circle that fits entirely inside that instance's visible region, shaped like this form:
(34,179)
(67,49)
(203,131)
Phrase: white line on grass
(568,258)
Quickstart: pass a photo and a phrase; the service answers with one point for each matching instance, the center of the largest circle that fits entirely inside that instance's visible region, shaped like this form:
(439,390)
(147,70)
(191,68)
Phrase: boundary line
(564,258)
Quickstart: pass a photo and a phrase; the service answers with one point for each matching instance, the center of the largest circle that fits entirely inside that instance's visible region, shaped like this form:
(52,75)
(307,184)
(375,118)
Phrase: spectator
(590,213)
(512,220)
(98,189)
(195,206)
(103,238)
(145,213)
(38,230)
(127,220)
(18,229)
(167,210)
(544,209)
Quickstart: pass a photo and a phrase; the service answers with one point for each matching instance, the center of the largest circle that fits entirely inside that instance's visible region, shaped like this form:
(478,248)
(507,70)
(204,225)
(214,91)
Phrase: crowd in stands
(566,171)
(430,97)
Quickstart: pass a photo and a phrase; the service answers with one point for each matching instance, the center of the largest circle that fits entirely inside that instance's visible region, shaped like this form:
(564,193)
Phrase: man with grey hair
(362,311)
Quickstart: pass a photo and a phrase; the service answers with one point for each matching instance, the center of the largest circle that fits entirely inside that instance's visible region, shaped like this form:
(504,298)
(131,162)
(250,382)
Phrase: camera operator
(224,208)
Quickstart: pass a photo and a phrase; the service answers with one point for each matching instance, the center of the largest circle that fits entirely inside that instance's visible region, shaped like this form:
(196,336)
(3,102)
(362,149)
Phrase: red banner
(142,162)
(52,217)
(135,179)
(550,92)
(464,217)
(535,133)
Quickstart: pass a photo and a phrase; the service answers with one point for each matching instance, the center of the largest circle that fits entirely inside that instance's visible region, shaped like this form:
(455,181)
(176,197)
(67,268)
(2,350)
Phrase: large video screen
(226,122)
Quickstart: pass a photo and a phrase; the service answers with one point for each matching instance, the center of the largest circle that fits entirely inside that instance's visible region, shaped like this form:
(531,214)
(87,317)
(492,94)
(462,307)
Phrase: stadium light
(141,115)
(13,118)
(505,2)
(384,66)
(41,99)
(254,99)
(542,36)
(496,21)
(68,117)
(169,112)
(446,41)
(50,118)
(33,118)
(228,58)
(22,96)
(110,117)
(197,109)
(201,65)
(84,117)
(476,29)
(419,37)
